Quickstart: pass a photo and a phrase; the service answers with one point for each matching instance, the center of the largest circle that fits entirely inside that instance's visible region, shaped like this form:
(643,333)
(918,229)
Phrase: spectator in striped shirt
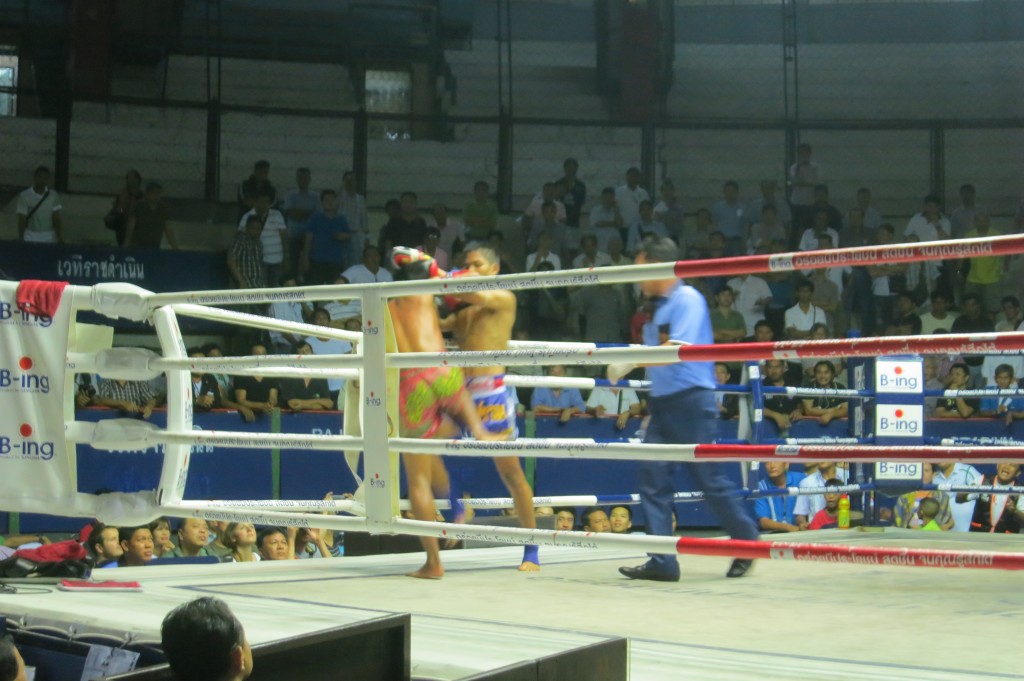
(245,259)
(274,236)
(131,397)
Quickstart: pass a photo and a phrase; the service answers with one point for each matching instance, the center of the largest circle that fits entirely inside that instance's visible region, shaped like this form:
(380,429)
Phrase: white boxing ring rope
(381,492)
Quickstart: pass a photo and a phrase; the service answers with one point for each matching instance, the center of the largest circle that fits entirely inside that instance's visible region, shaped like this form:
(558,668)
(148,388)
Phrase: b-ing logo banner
(34,462)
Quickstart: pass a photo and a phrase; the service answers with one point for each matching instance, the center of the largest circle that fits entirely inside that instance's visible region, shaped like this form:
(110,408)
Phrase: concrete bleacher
(850,81)
(24,144)
(164,144)
(557,79)
(893,164)
(264,83)
(604,155)
(324,145)
(923,82)
(549,79)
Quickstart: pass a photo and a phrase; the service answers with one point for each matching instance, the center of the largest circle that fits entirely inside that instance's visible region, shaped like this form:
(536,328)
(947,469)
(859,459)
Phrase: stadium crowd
(307,236)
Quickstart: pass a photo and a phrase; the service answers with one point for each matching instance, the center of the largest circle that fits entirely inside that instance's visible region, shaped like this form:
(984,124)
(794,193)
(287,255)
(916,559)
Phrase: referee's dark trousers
(687,417)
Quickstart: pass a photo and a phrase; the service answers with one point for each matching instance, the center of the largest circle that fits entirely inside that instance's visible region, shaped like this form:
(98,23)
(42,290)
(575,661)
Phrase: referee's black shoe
(740,567)
(647,571)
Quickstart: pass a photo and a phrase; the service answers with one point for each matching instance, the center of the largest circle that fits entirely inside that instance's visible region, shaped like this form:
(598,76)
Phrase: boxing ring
(712,628)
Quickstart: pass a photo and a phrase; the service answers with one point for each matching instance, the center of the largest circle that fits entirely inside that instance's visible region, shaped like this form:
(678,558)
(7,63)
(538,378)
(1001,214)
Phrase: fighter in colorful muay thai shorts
(494,404)
(425,396)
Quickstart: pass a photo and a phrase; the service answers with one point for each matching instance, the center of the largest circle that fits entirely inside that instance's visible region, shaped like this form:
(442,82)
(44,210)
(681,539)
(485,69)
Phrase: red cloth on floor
(62,550)
(40,297)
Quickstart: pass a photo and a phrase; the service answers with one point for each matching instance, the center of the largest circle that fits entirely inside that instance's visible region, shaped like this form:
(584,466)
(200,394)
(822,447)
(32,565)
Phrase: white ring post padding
(526,381)
(284,505)
(528,344)
(267,323)
(228,365)
(380,487)
(131,364)
(255,516)
(293,372)
(174,473)
(259,296)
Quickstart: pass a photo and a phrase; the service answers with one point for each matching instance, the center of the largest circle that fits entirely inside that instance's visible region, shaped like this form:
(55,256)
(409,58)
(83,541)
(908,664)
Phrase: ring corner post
(380,475)
(174,473)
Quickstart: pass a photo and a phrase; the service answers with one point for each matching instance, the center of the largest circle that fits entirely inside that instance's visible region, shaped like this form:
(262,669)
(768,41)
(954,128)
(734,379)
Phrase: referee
(682,407)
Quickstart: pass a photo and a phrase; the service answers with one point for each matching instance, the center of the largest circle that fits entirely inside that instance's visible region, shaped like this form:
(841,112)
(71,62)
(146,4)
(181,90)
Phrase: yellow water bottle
(844,512)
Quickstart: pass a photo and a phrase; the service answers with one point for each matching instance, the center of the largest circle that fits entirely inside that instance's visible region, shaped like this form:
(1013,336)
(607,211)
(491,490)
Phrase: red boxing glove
(454,303)
(413,263)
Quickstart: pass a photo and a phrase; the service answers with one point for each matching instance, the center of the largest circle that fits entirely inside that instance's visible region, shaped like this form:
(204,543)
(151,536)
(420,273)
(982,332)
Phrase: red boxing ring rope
(861,255)
(986,343)
(859,555)
(726,548)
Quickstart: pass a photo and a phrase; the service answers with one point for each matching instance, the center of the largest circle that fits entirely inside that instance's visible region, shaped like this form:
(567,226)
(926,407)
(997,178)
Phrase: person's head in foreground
(204,641)
(12,667)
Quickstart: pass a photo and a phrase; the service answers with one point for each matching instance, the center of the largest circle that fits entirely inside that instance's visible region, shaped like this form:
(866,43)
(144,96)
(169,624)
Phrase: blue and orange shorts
(494,404)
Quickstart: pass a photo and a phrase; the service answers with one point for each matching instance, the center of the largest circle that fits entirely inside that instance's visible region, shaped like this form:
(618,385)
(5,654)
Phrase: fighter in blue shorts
(483,320)
(494,405)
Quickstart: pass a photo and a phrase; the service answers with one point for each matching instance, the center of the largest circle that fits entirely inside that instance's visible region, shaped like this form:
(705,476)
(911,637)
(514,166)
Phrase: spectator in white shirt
(605,219)
(547,224)
(543,254)
(962,219)
(804,315)
(937,318)
(769,229)
(929,225)
(628,197)
(809,240)
(644,227)
(951,473)
(329,346)
(431,240)
(39,211)
(670,211)
(274,236)
(534,211)
(290,311)
(452,230)
(804,175)
(768,198)
(872,218)
(619,402)
(590,257)
(368,271)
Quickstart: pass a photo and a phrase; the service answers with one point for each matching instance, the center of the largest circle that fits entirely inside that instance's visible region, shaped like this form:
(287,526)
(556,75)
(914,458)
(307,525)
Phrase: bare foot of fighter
(426,474)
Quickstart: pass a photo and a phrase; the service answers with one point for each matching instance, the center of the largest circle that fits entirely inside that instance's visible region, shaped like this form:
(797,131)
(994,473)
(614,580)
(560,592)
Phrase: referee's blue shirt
(683,315)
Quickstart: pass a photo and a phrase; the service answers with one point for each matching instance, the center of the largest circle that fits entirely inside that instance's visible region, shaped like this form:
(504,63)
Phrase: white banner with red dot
(899,415)
(34,461)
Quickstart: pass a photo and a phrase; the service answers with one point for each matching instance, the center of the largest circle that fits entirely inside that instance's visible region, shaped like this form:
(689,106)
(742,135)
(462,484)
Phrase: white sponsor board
(899,420)
(34,461)
(885,470)
(896,376)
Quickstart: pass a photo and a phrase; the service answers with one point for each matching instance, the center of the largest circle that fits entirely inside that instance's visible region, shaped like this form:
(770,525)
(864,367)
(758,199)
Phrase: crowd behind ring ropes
(307,236)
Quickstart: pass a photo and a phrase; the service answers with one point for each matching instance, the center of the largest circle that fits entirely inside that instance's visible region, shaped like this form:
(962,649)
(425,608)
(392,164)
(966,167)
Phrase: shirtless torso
(485,322)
